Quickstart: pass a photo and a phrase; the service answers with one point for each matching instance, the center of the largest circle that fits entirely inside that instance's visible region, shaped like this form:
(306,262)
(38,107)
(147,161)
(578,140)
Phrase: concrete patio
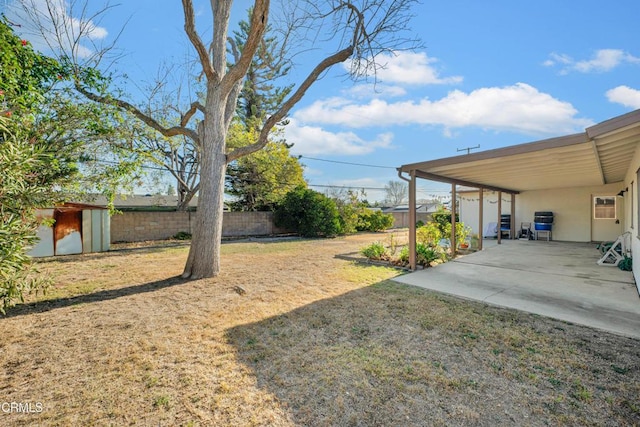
(554,279)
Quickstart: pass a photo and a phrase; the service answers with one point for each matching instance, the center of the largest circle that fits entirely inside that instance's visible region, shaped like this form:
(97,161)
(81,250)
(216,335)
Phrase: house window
(604,207)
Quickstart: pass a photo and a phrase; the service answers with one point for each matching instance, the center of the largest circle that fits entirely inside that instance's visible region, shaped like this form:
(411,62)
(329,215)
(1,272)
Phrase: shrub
(425,254)
(182,235)
(403,256)
(308,213)
(442,218)
(375,251)
(430,234)
(462,232)
(349,218)
(369,220)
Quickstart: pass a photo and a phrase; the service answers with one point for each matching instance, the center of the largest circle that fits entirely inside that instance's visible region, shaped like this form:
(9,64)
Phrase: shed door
(68,232)
(607,217)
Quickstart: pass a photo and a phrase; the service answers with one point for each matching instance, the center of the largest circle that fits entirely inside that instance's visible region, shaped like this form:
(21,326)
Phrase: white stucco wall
(572,209)
(468,208)
(631,210)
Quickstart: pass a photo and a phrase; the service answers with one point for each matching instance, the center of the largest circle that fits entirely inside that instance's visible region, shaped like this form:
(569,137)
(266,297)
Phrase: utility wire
(111,162)
(347,163)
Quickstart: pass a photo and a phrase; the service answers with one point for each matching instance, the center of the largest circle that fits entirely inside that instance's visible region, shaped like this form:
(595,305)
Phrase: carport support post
(453,220)
(513,216)
(412,220)
(499,217)
(480,216)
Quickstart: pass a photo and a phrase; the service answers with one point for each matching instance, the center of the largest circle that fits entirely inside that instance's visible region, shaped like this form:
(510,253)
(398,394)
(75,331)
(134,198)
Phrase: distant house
(400,213)
(142,202)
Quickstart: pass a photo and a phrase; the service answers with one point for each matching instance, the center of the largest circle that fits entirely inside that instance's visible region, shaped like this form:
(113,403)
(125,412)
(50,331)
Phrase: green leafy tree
(259,181)
(260,96)
(46,139)
(28,177)
(31,167)
(308,213)
(349,207)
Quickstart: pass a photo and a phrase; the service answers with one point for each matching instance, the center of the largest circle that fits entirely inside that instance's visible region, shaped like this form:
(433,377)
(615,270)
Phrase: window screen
(604,207)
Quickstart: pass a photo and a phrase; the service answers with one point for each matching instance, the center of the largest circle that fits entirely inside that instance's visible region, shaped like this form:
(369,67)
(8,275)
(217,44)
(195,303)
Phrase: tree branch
(149,121)
(195,107)
(190,29)
(274,119)
(259,20)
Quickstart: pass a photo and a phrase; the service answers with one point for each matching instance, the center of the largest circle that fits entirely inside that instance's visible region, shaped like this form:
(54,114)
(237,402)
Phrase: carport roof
(599,155)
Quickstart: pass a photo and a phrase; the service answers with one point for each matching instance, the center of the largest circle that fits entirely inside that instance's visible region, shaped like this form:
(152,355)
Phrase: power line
(345,186)
(111,162)
(347,163)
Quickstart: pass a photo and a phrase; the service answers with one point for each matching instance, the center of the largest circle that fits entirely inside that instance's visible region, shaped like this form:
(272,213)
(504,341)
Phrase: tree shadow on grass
(105,295)
(395,355)
(357,359)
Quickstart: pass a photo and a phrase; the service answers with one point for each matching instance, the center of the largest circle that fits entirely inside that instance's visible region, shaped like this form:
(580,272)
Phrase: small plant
(393,244)
(475,241)
(182,235)
(403,256)
(375,251)
(619,370)
(425,254)
(161,402)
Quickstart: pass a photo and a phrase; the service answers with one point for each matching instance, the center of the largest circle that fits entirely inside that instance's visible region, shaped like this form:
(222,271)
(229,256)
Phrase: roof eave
(563,141)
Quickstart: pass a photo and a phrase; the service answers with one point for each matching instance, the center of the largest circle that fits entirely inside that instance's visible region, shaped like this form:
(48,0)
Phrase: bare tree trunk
(204,254)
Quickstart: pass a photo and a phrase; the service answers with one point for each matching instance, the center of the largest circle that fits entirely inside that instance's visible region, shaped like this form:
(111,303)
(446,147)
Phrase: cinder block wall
(141,226)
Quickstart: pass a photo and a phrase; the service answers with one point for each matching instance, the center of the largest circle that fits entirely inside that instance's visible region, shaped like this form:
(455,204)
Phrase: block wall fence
(138,226)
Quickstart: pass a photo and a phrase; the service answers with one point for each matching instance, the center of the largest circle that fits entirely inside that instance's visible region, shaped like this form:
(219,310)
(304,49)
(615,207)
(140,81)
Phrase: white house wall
(631,209)
(572,209)
(468,208)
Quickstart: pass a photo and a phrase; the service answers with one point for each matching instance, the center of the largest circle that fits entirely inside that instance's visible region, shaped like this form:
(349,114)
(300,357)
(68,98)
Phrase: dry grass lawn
(314,340)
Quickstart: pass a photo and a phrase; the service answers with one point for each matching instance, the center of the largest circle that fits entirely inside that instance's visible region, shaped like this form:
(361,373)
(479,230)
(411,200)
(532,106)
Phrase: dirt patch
(292,334)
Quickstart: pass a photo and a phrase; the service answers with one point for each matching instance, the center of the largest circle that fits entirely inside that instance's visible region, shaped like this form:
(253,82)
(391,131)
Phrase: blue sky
(491,73)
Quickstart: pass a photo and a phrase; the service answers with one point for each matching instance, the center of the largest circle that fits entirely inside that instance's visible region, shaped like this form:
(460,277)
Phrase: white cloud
(408,68)
(520,108)
(624,95)
(313,140)
(603,60)
(371,90)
